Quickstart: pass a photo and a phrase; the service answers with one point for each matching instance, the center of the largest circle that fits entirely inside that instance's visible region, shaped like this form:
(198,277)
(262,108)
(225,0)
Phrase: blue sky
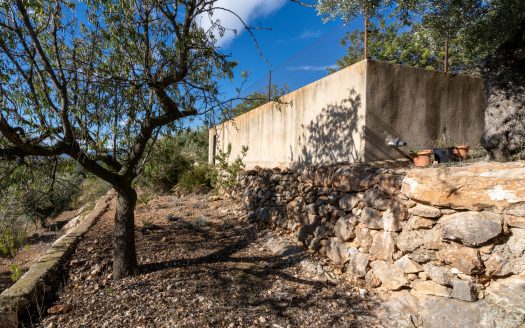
(298,46)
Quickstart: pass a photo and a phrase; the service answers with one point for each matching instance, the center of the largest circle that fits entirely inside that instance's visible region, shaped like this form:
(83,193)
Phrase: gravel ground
(202,265)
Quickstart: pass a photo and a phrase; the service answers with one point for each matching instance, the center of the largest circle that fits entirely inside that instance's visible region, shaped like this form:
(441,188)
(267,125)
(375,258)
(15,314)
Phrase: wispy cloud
(305,35)
(247,10)
(309,35)
(311,68)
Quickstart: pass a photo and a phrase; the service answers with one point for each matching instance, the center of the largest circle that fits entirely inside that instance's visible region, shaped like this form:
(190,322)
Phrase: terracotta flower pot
(422,158)
(461,151)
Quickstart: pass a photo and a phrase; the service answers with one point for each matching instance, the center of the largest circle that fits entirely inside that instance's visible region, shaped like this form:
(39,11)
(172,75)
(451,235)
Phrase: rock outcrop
(504,75)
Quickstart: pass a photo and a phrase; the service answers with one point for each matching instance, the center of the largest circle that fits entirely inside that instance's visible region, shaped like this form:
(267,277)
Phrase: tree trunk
(446,56)
(124,254)
(366,34)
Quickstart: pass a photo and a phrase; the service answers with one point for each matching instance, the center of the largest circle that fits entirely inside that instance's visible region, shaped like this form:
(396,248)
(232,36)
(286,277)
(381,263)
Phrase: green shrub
(165,165)
(226,173)
(16,272)
(12,237)
(36,188)
(199,177)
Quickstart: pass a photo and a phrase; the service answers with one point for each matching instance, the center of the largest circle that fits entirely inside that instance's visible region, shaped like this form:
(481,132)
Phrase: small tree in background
(347,10)
(254,100)
(97,80)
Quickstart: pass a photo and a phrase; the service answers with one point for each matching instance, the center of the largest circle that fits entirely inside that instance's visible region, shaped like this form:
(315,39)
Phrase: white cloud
(305,35)
(311,68)
(248,10)
(309,35)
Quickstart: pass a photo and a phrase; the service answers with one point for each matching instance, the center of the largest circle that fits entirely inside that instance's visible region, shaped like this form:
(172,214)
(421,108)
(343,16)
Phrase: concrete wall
(420,106)
(346,116)
(319,123)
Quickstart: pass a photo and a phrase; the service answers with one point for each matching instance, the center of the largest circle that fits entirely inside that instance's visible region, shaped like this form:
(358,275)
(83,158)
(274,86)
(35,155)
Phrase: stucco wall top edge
(293,93)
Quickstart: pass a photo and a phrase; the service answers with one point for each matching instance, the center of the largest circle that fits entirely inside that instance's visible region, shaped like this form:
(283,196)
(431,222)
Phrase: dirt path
(202,265)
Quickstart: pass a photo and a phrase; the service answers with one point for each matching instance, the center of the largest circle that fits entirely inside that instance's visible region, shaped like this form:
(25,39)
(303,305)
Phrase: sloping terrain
(202,265)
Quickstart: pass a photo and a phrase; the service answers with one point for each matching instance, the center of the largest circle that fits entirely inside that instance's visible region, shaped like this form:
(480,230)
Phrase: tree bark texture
(124,254)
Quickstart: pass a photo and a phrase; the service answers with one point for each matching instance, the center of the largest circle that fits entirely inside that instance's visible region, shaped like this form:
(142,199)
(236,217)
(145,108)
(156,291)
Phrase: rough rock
(503,305)
(354,178)
(407,265)
(422,255)
(402,309)
(390,221)
(425,211)
(358,264)
(439,312)
(502,71)
(337,251)
(515,221)
(465,259)
(517,209)
(311,208)
(263,214)
(363,239)
(282,247)
(344,228)
(429,287)
(371,218)
(471,228)
(390,275)
(409,240)
(478,186)
(399,210)
(383,245)
(432,239)
(463,290)
(516,241)
(376,199)
(502,308)
(348,201)
(417,222)
(503,262)
(439,274)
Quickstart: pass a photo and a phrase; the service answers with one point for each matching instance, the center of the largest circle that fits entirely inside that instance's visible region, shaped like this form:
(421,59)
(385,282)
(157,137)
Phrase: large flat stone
(401,310)
(429,287)
(503,307)
(471,228)
(478,186)
(425,211)
(390,275)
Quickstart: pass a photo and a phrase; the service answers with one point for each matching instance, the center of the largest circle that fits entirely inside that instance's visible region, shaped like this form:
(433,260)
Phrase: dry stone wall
(443,232)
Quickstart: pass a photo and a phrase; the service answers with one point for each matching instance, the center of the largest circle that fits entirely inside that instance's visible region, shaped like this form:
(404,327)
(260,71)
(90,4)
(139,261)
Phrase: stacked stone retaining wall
(445,232)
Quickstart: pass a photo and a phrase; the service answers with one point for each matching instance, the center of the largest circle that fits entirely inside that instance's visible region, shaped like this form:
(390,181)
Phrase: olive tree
(96,80)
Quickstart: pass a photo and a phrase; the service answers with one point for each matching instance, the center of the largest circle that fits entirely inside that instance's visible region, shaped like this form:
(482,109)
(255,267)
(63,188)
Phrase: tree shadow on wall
(334,135)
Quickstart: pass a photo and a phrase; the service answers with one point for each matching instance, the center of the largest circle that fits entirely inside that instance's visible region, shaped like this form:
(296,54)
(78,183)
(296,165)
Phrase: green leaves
(414,33)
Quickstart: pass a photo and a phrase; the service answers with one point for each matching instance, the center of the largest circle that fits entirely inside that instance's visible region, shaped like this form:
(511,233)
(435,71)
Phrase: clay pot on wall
(422,158)
(461,151)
